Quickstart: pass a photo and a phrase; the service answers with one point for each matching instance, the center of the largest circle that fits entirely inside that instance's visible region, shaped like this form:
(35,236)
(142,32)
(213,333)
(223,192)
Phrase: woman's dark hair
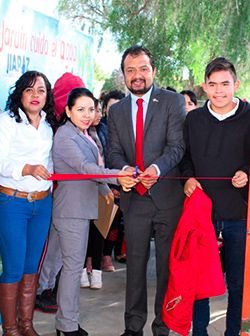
(191,95)
(114,94)
(13,103)
(170,88)
(96,101)
(71,100)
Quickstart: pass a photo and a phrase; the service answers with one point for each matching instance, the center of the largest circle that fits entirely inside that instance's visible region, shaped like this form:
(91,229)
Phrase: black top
(218,149)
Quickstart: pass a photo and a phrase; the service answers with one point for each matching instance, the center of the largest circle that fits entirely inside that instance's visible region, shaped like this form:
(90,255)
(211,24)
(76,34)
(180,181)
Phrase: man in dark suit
(155,145)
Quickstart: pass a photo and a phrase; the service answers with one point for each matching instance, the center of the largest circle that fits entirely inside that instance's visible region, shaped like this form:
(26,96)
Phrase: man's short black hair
(220,64)
(136,50)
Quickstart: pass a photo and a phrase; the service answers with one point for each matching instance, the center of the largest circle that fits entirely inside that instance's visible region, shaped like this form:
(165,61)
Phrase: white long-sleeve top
(21,144)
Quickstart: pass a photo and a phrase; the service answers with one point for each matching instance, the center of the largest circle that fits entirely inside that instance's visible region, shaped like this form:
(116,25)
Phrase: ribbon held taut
(73,177)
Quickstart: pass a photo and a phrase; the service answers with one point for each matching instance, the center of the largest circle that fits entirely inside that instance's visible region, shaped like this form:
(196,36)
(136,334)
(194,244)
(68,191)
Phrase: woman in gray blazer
(76,202)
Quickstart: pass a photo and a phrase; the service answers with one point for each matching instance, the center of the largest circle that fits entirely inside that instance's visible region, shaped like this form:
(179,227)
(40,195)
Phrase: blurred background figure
(170,88)
(191,102)
(62,87)
(92,274)
(115,239)
(111,98)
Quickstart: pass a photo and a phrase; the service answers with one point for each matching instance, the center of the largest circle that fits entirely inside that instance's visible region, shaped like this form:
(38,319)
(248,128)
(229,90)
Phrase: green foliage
(99,74)
(92,14)
(114,82)
(180,33)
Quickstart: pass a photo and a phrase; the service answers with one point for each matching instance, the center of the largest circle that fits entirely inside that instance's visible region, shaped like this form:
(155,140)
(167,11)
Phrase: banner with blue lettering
(30,40)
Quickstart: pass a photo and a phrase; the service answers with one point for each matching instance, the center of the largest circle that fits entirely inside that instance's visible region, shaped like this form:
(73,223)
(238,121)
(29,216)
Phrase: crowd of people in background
(52,250)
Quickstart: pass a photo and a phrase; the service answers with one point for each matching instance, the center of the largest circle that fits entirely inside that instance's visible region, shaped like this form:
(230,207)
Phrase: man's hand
(37,171)
(240,179)
(127,182)
(149,177)
(190,186)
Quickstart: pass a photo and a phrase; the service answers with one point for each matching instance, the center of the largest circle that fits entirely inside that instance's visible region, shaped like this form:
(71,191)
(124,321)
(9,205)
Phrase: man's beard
(139,91)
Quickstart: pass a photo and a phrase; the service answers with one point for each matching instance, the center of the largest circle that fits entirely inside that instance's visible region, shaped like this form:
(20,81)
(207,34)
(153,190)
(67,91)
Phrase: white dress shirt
(21,144)
(134,108)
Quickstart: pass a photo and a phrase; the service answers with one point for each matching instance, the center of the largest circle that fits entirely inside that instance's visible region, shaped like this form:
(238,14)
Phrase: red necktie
(139,144)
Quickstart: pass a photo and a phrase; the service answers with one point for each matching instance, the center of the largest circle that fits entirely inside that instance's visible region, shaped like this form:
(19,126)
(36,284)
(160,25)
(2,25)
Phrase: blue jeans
(234,236)
(23,231)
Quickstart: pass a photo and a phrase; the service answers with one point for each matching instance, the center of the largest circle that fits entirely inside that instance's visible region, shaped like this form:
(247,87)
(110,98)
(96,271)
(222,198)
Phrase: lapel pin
(155,100)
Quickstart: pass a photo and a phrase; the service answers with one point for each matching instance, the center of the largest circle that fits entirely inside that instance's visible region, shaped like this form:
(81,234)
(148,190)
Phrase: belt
(31,196)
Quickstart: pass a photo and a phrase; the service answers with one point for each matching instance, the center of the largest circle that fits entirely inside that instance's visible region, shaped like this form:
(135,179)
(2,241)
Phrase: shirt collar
(226,115)
(24,116)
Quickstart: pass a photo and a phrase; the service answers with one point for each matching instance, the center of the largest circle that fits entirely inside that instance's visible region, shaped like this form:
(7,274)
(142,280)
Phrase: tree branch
(96,10)
(83,17)
(141,9)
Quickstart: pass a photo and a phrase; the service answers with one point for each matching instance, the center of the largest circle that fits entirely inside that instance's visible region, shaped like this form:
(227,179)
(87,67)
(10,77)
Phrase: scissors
(136,171)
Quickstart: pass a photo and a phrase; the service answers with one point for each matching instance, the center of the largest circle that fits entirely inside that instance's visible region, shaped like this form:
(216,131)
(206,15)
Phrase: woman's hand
(128,181)
(109,197)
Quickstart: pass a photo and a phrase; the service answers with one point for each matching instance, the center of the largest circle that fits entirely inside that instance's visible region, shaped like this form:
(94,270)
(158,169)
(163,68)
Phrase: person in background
(76,202)
(191,102)
(170,88)
(218,145)
(26,134)
(92,275)
(63,85)
(146,138)
(52,261)
(101,97)
(116,232)
(111,98)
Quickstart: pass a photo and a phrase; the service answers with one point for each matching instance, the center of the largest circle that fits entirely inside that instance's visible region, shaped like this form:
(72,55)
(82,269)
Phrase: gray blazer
(73,153)
(163,143)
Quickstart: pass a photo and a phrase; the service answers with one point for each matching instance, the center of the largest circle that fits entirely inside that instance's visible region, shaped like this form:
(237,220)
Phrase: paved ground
(102,310)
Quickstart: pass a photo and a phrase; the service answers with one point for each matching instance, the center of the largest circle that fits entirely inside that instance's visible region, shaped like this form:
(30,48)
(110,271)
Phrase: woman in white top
(25,199)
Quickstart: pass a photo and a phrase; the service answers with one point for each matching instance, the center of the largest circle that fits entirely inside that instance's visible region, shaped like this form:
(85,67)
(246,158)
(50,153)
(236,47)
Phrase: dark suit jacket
(163,143)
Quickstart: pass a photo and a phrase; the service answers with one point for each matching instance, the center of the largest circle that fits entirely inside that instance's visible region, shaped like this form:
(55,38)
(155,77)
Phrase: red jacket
(194,265)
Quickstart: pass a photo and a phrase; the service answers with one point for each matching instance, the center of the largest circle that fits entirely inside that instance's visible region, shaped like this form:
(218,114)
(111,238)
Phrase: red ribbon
(68,177)
(71,177)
